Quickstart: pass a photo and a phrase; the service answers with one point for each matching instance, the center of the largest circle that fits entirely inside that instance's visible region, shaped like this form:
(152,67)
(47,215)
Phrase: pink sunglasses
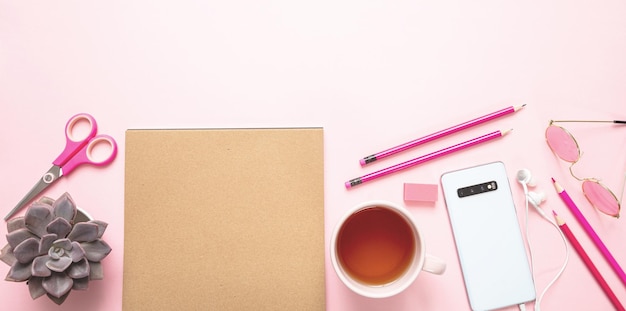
(566,147)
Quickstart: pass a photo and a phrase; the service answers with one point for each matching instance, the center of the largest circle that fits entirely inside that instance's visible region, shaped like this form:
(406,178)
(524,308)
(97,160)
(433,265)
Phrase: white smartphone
(488,237)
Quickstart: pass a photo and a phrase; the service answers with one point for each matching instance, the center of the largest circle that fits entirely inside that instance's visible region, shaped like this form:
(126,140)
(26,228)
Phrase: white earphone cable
(530,250)
(553,223)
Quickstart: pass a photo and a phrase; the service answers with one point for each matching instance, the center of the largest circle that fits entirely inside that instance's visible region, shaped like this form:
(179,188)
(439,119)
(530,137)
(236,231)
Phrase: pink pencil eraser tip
(362,161)
(421,192)
(348,185)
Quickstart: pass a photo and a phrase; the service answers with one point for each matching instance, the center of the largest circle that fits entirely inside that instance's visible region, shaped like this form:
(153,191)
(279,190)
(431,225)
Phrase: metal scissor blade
(46,180)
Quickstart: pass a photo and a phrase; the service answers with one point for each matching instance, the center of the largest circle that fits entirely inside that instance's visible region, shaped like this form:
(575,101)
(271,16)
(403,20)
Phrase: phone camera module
(477,189)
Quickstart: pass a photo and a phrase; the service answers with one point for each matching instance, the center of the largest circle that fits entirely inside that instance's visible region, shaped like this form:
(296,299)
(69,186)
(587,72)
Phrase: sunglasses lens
(562,143)
(601,198)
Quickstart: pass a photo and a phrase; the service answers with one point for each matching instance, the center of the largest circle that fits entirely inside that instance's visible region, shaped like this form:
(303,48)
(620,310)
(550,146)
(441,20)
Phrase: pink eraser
(421,192)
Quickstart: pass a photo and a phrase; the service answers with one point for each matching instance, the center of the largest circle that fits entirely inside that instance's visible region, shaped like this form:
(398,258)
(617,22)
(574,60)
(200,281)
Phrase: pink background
(373,73)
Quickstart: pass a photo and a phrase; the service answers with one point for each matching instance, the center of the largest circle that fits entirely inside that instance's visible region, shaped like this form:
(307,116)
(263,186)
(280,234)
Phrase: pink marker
(442,133)
(431,156)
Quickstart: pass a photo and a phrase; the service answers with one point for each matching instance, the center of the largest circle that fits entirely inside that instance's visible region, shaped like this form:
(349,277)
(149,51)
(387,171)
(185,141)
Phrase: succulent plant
(55,248)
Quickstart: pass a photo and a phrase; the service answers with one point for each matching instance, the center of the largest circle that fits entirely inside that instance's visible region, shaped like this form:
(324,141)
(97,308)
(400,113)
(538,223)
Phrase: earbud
(536,198)
(524,177)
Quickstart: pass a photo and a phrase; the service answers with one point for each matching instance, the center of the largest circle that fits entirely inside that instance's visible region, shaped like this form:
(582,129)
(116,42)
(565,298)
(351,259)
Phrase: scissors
(78,151)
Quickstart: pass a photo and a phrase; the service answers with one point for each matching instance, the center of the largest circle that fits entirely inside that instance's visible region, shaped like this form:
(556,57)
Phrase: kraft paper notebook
(224,219)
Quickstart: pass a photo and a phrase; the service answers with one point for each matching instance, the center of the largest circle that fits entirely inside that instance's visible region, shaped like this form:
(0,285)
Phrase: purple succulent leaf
(59,265)
(65,244)
(79,270)
(39,267)
(58,284)
(18,236)
(84,232)
(54,253)
(46,200)
(15,223)
(77,252)
(96,250)
(35,287)
(7,256)
(26,251)
(46,242)
(59,300)
(60,227)
(96,271)
(81,284)
(37,218)
(64,207)
(102,226)
(19,272)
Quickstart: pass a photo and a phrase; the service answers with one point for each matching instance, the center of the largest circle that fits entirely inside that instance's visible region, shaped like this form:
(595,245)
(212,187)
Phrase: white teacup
(377,250)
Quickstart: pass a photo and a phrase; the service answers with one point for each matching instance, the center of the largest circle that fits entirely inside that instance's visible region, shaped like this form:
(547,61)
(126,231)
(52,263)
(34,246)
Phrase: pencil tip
(559,221)
(519,107)
(559,189)
(505,132)
(553,181)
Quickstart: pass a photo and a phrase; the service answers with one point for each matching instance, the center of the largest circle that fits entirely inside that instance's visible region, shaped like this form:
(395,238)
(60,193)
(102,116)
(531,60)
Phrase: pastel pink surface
(421,192)
(374,74)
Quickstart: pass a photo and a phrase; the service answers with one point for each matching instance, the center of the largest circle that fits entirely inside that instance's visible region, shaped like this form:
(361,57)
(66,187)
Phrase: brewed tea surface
(376,246)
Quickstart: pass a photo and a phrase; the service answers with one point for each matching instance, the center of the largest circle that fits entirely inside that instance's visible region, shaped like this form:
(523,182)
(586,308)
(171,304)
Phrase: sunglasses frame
(589,179)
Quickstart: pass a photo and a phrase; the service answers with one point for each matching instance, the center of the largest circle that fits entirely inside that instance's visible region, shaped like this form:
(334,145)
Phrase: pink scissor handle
(74,144)
(85,155)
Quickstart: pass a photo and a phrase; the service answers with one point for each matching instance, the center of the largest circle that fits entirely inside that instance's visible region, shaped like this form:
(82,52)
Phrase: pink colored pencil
(592,268)
(431,156)
(590,232)
(442,133)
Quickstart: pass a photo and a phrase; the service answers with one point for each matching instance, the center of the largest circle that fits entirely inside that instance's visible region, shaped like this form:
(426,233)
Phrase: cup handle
(434,264)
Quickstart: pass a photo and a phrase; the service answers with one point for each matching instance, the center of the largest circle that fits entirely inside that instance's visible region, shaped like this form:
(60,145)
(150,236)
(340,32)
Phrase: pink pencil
(442,133)
(590,232)
(592,268)
(431,156)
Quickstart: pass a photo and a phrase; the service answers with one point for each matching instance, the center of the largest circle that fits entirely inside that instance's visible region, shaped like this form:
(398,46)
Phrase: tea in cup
(377,250)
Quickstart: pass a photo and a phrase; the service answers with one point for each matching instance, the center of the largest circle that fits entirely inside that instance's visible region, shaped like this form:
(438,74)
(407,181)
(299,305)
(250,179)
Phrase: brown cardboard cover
(224,219)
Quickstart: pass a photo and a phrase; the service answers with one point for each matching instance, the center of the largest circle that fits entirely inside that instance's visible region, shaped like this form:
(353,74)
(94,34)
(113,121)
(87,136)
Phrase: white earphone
(536,198)
(525,178)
